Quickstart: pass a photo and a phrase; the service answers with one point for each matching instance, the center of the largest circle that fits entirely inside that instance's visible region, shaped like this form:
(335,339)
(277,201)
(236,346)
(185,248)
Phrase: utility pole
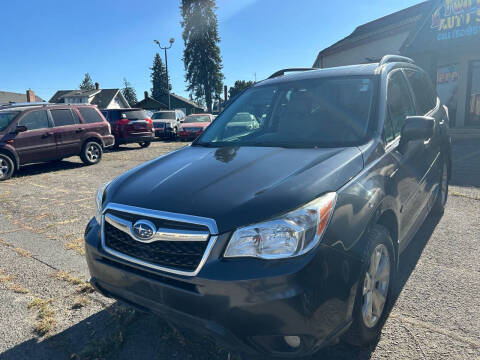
(166,64)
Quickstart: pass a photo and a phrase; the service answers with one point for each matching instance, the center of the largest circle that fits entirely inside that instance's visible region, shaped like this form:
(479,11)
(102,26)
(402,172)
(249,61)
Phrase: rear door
(38,142)
(93,121)
(68,131)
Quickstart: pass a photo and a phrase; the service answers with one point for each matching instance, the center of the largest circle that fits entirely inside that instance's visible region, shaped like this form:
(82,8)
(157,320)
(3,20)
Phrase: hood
(235,186)
(195,125)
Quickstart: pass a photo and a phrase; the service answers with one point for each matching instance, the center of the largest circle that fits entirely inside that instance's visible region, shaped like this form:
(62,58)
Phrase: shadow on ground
(120,333)
(42,168)
(466,163)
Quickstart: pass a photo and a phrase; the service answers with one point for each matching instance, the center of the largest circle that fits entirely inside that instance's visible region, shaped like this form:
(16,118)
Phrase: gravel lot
(49,312)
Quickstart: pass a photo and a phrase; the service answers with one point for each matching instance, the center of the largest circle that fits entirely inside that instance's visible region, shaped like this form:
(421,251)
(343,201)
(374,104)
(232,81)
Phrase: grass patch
(76,245)
(19,289)
(5,277)
(65,276)
(45,318)
(23,252)
(459,194)
(80,302)
(85,288)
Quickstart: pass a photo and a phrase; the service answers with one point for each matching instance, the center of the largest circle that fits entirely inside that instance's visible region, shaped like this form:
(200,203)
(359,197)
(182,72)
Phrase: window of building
(90,115)
(63,117)
(425,95)
(399,105)
(447,88)
(474,96)
(35,120)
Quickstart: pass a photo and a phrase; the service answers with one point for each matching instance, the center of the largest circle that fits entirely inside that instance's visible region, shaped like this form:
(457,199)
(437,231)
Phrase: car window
(318,112)
(63,117)
(133,114)
(399,105)
(425,95)
(105,114)
(164,115)
(6,118)
(197,118)
(90,115)
(35,120)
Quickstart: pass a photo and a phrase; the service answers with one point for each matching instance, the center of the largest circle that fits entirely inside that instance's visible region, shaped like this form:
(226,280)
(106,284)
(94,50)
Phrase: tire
(174,134)
(116,146)
(91,153)
(144,144)
(368,314)
(438,207)
(7,167)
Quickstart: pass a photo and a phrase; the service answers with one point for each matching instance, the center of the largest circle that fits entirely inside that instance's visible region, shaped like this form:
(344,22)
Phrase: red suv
(31,133)
(130,126)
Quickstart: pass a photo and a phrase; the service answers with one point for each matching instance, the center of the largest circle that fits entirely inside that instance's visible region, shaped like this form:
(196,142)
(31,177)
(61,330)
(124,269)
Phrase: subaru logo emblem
(144,230)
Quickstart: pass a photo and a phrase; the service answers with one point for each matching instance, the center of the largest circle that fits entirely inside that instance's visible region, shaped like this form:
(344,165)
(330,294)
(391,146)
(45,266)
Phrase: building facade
(442,36)
(103,98)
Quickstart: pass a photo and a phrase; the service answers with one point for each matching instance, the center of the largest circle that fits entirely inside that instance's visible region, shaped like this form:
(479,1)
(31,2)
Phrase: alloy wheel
(375,286)
(93,153)
(4,168)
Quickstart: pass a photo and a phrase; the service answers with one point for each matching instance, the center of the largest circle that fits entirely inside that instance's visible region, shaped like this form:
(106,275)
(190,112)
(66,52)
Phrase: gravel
(43,213)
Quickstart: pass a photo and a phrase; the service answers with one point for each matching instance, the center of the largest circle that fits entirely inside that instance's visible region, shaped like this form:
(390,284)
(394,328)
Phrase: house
(181,103)
(149,103)
(441,36)
(103,98)
(9,97)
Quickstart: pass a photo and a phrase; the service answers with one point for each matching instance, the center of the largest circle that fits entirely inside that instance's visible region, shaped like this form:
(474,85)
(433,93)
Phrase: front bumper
(188,135)
(245,304)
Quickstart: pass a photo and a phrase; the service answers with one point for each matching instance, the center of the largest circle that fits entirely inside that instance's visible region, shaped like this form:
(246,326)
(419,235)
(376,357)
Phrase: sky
(49,45)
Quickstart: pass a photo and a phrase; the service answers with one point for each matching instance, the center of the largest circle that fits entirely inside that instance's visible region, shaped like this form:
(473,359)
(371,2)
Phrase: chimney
(30,96)
(97,86)
(225,92)
(146,94)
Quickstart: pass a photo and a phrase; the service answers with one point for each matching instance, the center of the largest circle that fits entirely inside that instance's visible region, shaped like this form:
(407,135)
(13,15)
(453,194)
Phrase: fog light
(292,341)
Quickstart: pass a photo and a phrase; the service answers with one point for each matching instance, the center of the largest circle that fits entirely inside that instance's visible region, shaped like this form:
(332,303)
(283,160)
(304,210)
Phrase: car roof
(24,107)
(350,70)
(123,109)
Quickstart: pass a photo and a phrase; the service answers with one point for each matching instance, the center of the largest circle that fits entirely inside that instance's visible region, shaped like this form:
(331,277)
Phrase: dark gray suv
(287,235)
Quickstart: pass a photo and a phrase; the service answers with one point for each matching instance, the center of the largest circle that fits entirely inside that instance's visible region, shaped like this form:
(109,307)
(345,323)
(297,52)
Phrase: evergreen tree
(87,83)
(239,86)
(201,57)
(129,92)
(159,80)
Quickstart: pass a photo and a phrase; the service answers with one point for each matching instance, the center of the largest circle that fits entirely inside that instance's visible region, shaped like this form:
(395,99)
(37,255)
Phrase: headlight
(99,201)
(292,234)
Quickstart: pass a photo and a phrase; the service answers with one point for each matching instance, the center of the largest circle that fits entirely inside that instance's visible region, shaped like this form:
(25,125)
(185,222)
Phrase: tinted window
(325,112)
(90,115)
(133,114)
(6,118)
(197,118)
(164,115)
(399,105)
(62,117)
(425,96)
(35,120)
(105,114)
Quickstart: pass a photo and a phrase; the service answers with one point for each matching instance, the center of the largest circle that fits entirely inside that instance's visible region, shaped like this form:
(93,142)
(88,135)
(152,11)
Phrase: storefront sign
(456,19)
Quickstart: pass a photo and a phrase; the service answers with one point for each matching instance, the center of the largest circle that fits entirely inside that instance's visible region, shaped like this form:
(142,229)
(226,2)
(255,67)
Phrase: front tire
(7,167)
(442,196)
(144,144)
(374,288)
(91,153)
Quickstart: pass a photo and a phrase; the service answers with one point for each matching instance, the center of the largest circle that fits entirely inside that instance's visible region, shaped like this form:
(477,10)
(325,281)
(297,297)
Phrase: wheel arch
(93,138)
(388,219)
(12,155)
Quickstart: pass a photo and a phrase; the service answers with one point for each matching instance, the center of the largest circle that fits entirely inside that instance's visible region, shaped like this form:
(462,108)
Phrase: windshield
(164,115)
(326,112)
(197,119)
(6,118)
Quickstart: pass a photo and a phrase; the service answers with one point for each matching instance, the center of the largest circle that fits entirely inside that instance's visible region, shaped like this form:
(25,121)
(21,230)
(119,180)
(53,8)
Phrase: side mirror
(417,128)
(20,129)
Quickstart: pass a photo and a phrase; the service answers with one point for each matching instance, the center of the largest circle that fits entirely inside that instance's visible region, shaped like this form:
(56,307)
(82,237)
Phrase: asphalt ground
(48,311)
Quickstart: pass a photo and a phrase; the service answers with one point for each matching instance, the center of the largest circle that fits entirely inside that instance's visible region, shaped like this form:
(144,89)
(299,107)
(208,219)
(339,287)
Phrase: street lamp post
(166,64)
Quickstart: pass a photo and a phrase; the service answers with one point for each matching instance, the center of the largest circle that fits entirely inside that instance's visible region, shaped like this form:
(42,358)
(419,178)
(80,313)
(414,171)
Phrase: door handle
(79,130)
(47,134)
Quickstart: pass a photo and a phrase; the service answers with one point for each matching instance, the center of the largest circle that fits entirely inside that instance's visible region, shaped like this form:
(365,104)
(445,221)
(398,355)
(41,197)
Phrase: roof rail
(395,58)
(283,71)
(25,104)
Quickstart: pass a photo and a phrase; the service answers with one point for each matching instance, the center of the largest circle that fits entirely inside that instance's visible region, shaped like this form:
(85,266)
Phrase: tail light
(148,120)
(123,122)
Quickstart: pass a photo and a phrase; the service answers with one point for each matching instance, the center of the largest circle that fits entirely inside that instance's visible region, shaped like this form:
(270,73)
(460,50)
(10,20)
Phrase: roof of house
(185,100)
(406,19)
(7,97)
(150,103)
(101,97)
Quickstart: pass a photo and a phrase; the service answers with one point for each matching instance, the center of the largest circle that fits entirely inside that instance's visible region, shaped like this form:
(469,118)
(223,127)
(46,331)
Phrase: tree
(129,92)
(159,79)
(87,83)
(201,57)
(238,87)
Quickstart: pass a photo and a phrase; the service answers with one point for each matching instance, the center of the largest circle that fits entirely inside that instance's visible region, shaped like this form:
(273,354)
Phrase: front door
(38,143)
(473,101)
(67,131)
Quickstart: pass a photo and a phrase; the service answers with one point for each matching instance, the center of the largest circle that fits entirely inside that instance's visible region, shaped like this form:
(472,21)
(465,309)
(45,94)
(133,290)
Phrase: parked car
(288,236)
(167,122)
(31,133)
(194,125)
(130,126)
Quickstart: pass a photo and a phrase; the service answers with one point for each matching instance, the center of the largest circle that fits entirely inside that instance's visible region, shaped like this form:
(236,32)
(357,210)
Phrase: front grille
(181,255)
(193,129)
